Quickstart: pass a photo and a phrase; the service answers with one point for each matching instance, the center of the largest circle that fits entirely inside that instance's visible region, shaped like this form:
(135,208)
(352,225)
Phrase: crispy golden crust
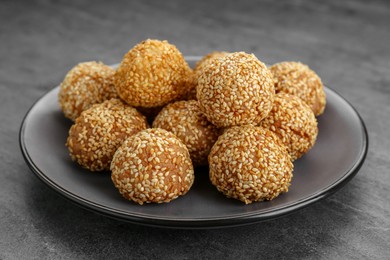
(186,121)
(298,79)
(152,166)
(84,85)
(236,89)
(250,164)
(207,59)
(100,130)
(294,122)
(197,71)
(152,74)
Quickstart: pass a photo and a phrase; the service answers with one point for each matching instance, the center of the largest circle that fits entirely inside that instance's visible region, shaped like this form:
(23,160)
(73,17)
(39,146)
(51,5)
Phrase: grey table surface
(346,42)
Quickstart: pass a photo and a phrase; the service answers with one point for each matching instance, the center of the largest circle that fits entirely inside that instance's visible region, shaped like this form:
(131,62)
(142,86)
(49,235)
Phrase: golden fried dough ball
(100,130)
(236,89)
(298,79)
(250,163)
(86,84)
(294,122)
(152,166)
(152,74)
(187,122)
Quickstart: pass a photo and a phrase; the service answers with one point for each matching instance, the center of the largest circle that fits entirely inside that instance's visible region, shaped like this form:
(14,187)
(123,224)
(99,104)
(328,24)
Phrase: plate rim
(197,223)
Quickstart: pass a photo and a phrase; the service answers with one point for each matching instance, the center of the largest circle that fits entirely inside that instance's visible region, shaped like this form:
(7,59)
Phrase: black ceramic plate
(337,156)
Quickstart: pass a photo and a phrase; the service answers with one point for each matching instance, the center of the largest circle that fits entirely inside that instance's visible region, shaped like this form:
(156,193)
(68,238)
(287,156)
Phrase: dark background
(345,42)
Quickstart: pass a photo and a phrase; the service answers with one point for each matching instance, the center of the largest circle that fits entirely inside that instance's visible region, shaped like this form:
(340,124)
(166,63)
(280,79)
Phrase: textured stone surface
(346,42)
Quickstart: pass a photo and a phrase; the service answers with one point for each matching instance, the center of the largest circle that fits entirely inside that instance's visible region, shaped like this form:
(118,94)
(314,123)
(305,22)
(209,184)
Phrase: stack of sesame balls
(246,121)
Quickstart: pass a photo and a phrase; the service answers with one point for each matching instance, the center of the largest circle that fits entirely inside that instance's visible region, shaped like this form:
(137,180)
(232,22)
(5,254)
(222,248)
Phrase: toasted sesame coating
(250,163)
(205,60)
(152,74)
(187,122)
(298,79)
(100,130)
(198,68)
(236,89)
(293,122)
(86,84)
(152,166)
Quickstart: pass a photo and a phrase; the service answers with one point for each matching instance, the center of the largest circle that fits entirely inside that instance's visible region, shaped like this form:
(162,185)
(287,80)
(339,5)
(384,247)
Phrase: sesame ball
(100,130)
(250,163)
(187,122)
(298,79)
(235,89)
(205,60)
(152,74)
(294,122)
(152,166)
(86,84)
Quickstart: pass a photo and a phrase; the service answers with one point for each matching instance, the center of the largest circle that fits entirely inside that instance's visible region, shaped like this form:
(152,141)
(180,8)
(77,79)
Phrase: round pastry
(294,122)
(298,79)
(86,84)
(152,166)
(152,74)
(250,163)
(186,121)
(236,89)
(100,130)
(207,59)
